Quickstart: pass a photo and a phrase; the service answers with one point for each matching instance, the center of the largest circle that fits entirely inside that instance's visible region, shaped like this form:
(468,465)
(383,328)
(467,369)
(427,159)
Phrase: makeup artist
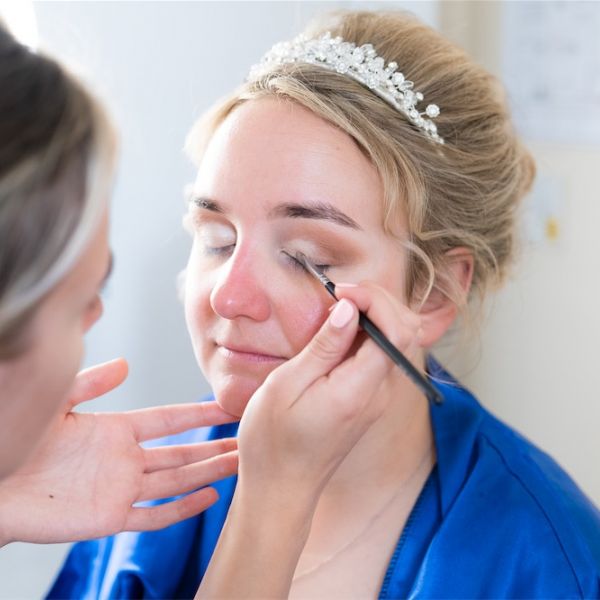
(386,155)
(66,475)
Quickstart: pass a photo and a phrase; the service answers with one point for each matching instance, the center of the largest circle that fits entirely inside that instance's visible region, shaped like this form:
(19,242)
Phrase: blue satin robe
(497,518)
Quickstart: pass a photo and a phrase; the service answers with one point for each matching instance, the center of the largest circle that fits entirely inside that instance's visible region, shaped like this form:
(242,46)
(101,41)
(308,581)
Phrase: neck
(368,499)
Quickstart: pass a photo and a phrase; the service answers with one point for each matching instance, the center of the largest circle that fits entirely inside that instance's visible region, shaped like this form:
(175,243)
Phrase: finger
(326,350)
(158,517)
(160,421)
(400,324)
(169,457)
(362,373)
(369,297)
(172,482)
(98,380)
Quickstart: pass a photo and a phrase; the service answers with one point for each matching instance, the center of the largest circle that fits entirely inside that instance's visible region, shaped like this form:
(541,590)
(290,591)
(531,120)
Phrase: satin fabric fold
(497,518)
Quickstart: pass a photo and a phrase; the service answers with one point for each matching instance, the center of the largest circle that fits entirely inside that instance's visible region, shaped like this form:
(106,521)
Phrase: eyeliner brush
(376,335)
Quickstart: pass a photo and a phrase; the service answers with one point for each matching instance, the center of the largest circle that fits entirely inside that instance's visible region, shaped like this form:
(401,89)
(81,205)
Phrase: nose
(240,289)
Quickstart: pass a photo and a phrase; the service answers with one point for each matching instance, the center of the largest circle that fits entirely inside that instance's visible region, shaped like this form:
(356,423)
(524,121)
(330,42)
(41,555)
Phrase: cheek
(192,291)
(197,307)
(300,318)
(60,370)
(40,385)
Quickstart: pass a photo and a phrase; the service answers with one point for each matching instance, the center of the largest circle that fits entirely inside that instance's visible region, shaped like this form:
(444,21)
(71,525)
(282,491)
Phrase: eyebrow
(201,202)
(317,210)
(322,211)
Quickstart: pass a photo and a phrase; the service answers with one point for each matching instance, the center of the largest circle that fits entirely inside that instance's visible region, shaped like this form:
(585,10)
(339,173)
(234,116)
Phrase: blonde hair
(56,162)
(464,194)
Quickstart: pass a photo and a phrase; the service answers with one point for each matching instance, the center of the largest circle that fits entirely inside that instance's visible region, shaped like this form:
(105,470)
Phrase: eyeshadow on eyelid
(199,217)
(330,242)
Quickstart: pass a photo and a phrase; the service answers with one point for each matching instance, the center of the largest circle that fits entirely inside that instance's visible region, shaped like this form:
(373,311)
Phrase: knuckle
(403,337)
(347,408)
(323,348)
(222,466)
(225,446)
(192,452)
(409,318)
(179,477)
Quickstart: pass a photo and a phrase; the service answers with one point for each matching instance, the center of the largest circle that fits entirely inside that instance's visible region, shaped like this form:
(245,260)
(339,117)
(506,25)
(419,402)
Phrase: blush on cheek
(304,320)
(196,322)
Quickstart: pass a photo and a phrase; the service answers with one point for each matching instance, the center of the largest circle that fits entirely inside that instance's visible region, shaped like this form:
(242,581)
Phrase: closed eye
(289,256)
(215,238)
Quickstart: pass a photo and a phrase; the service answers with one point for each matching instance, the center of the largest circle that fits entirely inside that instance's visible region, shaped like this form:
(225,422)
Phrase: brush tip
(300,257)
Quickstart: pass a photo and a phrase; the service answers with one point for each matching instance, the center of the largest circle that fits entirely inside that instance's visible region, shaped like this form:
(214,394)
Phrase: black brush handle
(416,376)
(376,335)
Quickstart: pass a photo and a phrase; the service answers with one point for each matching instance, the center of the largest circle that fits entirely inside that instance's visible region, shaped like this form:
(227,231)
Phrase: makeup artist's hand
(296,430)
(313,409)
(90,469)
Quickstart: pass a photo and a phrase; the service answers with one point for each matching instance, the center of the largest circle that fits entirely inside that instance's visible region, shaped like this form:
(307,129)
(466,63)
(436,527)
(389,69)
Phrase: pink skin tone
(40,377)
(85,471)
(311,465)
(248,307)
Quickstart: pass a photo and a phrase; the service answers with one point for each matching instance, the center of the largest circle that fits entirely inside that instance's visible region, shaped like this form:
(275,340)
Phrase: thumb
(323,353)
(97,380)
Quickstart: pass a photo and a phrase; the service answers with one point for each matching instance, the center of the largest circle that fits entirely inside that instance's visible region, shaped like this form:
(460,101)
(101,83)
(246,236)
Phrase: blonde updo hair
(56,156)
(463,194)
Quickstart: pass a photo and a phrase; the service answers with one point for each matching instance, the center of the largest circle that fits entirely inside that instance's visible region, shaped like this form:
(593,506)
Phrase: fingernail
(346,285)
(341,315)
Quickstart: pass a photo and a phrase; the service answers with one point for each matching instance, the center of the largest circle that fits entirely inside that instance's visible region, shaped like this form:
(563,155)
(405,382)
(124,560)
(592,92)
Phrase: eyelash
(219,250)
(297,265)
(224,250)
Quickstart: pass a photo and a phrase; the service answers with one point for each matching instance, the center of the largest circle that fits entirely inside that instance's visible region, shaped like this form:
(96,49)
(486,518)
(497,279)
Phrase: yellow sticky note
(552,228)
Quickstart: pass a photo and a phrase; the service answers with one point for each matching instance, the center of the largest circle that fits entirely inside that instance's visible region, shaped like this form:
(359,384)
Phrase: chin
(233,396)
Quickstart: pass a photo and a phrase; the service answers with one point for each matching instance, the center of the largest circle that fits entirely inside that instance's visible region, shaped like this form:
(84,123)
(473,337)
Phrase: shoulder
(536,477)
(537,510)
(507,503)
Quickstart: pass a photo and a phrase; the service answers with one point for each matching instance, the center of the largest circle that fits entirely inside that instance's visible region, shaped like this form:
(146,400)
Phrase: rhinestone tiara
(362,64)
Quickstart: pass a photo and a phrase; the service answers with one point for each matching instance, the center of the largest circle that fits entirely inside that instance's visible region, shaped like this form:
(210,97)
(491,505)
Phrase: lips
(243,353)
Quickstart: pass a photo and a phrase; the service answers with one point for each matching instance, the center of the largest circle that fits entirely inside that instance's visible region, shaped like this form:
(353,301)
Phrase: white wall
(536,361)
(539,348)
(157,65)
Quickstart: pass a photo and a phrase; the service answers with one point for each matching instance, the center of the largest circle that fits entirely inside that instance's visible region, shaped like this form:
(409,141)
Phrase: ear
(439,312)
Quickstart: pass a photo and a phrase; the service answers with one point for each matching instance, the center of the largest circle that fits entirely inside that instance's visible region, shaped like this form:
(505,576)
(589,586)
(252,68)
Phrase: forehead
(270,151)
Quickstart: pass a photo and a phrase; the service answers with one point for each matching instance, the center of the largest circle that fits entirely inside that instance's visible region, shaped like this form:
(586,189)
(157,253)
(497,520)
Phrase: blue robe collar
(455,425)
(181,553)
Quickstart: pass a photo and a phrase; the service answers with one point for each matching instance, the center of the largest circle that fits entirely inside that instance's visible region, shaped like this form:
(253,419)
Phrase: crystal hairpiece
(362,64)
